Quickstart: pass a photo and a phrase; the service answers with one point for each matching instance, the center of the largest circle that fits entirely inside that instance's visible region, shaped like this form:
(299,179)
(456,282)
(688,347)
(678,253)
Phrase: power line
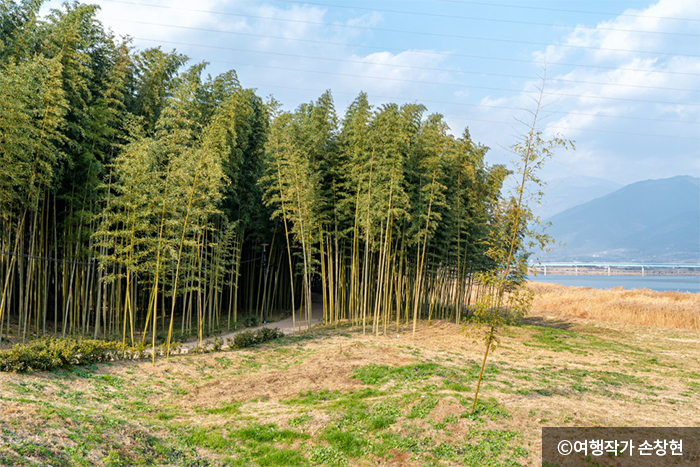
(432,101)
(561,10)
(448,84)
(450,70)
(396,49)
(479,18)
(499,122)
(615,132)
(458,85)
(424,33)
(629,133)
(489,106)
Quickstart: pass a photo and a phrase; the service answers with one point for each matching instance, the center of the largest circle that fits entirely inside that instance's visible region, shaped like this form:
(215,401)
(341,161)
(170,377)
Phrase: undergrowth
(49,354)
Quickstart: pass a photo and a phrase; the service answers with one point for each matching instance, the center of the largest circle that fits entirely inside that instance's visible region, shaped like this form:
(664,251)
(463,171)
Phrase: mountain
(564,193)
(649,221)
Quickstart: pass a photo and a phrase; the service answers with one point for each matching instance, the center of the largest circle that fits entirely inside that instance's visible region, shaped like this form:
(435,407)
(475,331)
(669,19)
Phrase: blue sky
(623,77)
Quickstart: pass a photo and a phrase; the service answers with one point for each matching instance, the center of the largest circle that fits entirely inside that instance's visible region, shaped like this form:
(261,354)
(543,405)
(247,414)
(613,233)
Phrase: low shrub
(217,344)
(250,338)
(52,354)
(249,321)
(268,334)
(244,339)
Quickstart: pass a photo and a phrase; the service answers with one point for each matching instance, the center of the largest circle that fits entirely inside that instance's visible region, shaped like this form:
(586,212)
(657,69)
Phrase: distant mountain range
(650,221)
(564,193)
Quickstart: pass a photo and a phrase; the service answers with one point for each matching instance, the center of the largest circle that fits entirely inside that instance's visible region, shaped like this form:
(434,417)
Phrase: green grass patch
(487,407)
(335,398)
(267,455)
(490,448)
(315,397)
(209,438)
(424,405)
(234,408)
(91,434)
(350,443)
(379,374)
(558,340)
(582,343)
(414,444)
(456,386)
(267,433)
(383,415)
(328,456)
(165,415)
(300,420)
(224,362)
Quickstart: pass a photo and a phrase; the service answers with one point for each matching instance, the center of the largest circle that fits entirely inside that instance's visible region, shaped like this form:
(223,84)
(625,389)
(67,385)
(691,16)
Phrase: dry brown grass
(644,307)
(332,369)
(559,372)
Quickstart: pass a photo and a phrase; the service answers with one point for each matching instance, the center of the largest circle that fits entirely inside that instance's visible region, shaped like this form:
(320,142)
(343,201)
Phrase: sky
(621,78)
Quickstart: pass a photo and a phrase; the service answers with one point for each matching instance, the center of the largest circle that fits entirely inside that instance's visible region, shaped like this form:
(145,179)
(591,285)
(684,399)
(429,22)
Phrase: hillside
(650,221)
(564,193)
(337,397)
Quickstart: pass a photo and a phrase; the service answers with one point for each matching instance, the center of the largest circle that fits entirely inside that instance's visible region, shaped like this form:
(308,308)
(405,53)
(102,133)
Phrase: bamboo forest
(296,233)
(145,201)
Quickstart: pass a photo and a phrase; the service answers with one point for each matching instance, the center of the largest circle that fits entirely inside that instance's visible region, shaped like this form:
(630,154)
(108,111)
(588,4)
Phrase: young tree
(510,299)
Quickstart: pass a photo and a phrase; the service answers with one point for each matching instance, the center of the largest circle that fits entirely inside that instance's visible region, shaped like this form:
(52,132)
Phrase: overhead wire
(499,122)
(449,70)
(397,49)
(467,104)
(562,10)
(387,48)
(481,18)
(430,68)
(373,28)
(458,85)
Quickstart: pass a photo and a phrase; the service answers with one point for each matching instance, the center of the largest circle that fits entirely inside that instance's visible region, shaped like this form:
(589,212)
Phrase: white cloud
(299,21)
(277,57)
(366,21)
(394,73)
(622,32)
(630,86)
(141,19)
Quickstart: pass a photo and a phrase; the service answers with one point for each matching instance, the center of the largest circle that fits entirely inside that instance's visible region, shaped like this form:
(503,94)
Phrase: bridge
(585,268)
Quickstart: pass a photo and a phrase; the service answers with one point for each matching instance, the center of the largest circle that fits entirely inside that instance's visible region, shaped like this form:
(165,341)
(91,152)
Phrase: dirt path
(285,325)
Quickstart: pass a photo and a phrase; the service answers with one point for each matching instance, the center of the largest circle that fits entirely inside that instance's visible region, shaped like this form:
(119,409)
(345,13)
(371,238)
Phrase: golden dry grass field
(670,310)
(334,396)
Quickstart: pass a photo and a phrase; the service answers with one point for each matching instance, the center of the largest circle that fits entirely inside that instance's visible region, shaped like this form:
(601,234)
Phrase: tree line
(143,200)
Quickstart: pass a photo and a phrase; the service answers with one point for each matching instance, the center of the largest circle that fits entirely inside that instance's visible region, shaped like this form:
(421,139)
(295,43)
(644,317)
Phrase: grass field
(336,397)
(672,310)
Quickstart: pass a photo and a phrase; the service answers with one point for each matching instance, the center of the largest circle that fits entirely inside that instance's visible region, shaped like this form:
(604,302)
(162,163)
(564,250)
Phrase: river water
(662,283)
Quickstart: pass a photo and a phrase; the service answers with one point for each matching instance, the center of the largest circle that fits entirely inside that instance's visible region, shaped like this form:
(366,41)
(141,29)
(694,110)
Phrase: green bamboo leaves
(32,113)
(146,202)
(292,189)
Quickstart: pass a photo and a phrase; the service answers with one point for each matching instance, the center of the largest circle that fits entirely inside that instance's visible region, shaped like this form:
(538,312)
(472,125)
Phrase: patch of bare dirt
(398,458)
(446,406)
(328,368)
